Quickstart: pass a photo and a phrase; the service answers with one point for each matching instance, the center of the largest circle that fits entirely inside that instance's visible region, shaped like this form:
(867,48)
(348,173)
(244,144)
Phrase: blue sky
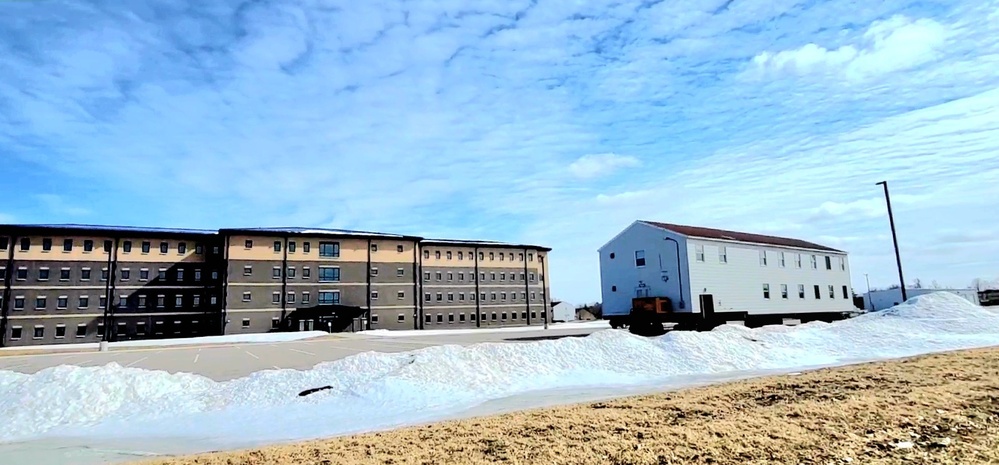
(550,122)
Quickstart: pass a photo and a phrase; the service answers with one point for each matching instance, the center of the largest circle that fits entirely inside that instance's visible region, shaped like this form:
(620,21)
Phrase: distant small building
(562,312)
(583,314)
(888,298)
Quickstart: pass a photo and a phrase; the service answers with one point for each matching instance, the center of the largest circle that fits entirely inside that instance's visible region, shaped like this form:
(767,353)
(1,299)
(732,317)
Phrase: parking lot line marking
(137,361)
(14,367)
(276,367)
(196,356)
(85,361)
(251,354)
(303,352)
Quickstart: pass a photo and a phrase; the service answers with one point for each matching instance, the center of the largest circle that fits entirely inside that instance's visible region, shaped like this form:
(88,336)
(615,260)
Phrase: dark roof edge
(105,230)
(474,243)
(768,240)
(313,233)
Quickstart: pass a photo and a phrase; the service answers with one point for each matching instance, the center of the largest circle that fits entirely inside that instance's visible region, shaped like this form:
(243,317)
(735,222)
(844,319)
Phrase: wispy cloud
(591,166)
(445,119)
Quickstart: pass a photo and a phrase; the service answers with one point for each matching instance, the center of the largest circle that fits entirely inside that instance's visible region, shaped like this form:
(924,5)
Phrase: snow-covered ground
(514,329)
(227,339)
(112,406)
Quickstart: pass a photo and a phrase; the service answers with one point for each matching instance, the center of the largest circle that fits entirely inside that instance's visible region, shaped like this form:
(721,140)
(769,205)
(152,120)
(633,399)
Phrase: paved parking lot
(228,361)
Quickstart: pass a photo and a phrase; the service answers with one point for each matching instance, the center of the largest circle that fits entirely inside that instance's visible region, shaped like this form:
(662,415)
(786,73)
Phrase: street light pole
(894,237)
(679,272)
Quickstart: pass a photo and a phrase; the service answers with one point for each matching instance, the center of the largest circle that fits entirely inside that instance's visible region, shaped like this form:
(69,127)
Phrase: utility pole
(894,237)
(869,291)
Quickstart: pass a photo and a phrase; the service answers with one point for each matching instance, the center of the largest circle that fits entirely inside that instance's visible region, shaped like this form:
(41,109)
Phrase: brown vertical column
(8,276)
(478,297)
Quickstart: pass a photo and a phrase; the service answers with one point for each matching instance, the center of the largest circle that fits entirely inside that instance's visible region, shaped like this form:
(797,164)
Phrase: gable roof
(721,234)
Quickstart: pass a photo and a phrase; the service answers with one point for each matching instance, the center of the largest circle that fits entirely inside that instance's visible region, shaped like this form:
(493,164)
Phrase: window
(102,302)
(400,272)
(81,330)
(846,294)
(782,262)
(763,258)
(401,295)
(25,244)
(815,263)
(290,297)
(723,254)
(246,322)
(277,246)
(329,274)
(801,291)
(84,301)
(400,249)
(104,274)
(275,323)
(18,303)
(39,332)
(450,317)
(247,296)
(178,301)
(427,318)
(247,270)
(766,291)
(140,328)
(3,272)
(482,296)
(818,293)
(146,246)
(142,301)
(492,256)
(41,302)
(306,272)
(43,274)
(144,274)
(374,247)
(85,274)
(699,250)
(329,249)
(276,272)
(461,296)
(291,272)
(161,301)
(426,255)
(440,317)
(437,254)
(46,244)
(306,297)
(200,249)
(461,255)
(374,271)
(292,246)
(161,275)
(306,247)
(450,296)
(832,292)
(329,297)
(374,295)
(449,256)
(492,296)
(492,276)
(125,246)
(783,291)
(22,273)
(4,243)
(440,276)
(440,296)
(67,245)
(427,297)
(63,274)
(197,275)
(450,276)
(842,264)
(276,298)
(828,262)
(482,256)
(164,247)
(248,244)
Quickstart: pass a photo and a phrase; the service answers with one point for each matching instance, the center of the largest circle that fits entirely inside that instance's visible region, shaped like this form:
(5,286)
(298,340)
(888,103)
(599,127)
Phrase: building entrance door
(707,305)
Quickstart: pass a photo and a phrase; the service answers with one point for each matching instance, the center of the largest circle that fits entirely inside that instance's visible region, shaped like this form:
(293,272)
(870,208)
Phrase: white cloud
(59,206)
(873,207)
(887,46)
(591,166)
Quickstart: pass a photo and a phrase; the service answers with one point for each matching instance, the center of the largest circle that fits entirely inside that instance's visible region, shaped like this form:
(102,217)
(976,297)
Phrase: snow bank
(227,339)
(508,329)
(374,390)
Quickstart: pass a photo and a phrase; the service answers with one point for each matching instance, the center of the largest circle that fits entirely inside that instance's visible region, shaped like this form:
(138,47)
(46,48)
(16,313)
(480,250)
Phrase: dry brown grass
(946,406)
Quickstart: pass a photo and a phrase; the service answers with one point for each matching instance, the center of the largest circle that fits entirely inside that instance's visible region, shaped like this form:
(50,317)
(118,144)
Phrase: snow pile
(373,390)
(227,339)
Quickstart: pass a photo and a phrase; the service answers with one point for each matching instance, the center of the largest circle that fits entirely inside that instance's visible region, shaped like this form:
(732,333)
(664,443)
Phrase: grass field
(942,408)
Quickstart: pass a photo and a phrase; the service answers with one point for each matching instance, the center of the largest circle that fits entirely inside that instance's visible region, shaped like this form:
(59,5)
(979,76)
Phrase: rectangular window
(39,332)
(246,322)
(801,291)
(427,297)
(291,272)
(275,323)
(276,298)
(40,302)
(766,291)
(797,260)
(639,258)
(832,292)
(374,271)
(126,274)
(437,254)
(846,294)
(306,247)
(426,255)
(440,317)
(818,293)
(4,243)
(248,244)
(291,246)
(62,302)
(3,272)
(277,246)
(46,244)
(329,297)
(782,262)
(84,301)
(247,270)
(164,247)
(306,272)
(306,297)
(178,301)
(81,330)
(197,275)
(200,249)
(815,262)
(449,256)
(450,296)
(828,262)
(67,245)
(18,303)
(43,274)
(400,249)
(401,295)
(25,244)
(276,272)
(161,301)
(22,273)
(64,274)
(146,246)
(329,249)
(783,291)
(125,246)
(140,328)
(763,258)
(102,302)
(290,297)
(144,274)
(492,296)
(329,274)
(842,264)
(162,274)
(723,254)
(400,272)
(699,251)
(374,247)
(374,295)
(247,296)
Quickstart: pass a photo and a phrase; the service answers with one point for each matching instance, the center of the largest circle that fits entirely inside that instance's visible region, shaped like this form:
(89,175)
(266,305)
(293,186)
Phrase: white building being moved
(730,275)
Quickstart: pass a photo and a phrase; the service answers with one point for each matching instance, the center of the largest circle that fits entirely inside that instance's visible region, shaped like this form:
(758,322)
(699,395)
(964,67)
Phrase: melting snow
(374,390)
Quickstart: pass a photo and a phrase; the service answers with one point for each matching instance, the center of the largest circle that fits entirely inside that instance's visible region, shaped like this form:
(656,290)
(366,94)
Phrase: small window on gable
(699,249)
(639,258)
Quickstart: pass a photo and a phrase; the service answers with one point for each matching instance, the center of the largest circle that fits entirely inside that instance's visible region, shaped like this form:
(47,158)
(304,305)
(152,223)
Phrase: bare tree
(977,284)
(918,284)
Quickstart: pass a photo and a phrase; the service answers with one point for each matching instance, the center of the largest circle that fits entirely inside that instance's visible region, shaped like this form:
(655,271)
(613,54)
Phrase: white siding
(891,297)
(738,284)
(564,311)
(621,278)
